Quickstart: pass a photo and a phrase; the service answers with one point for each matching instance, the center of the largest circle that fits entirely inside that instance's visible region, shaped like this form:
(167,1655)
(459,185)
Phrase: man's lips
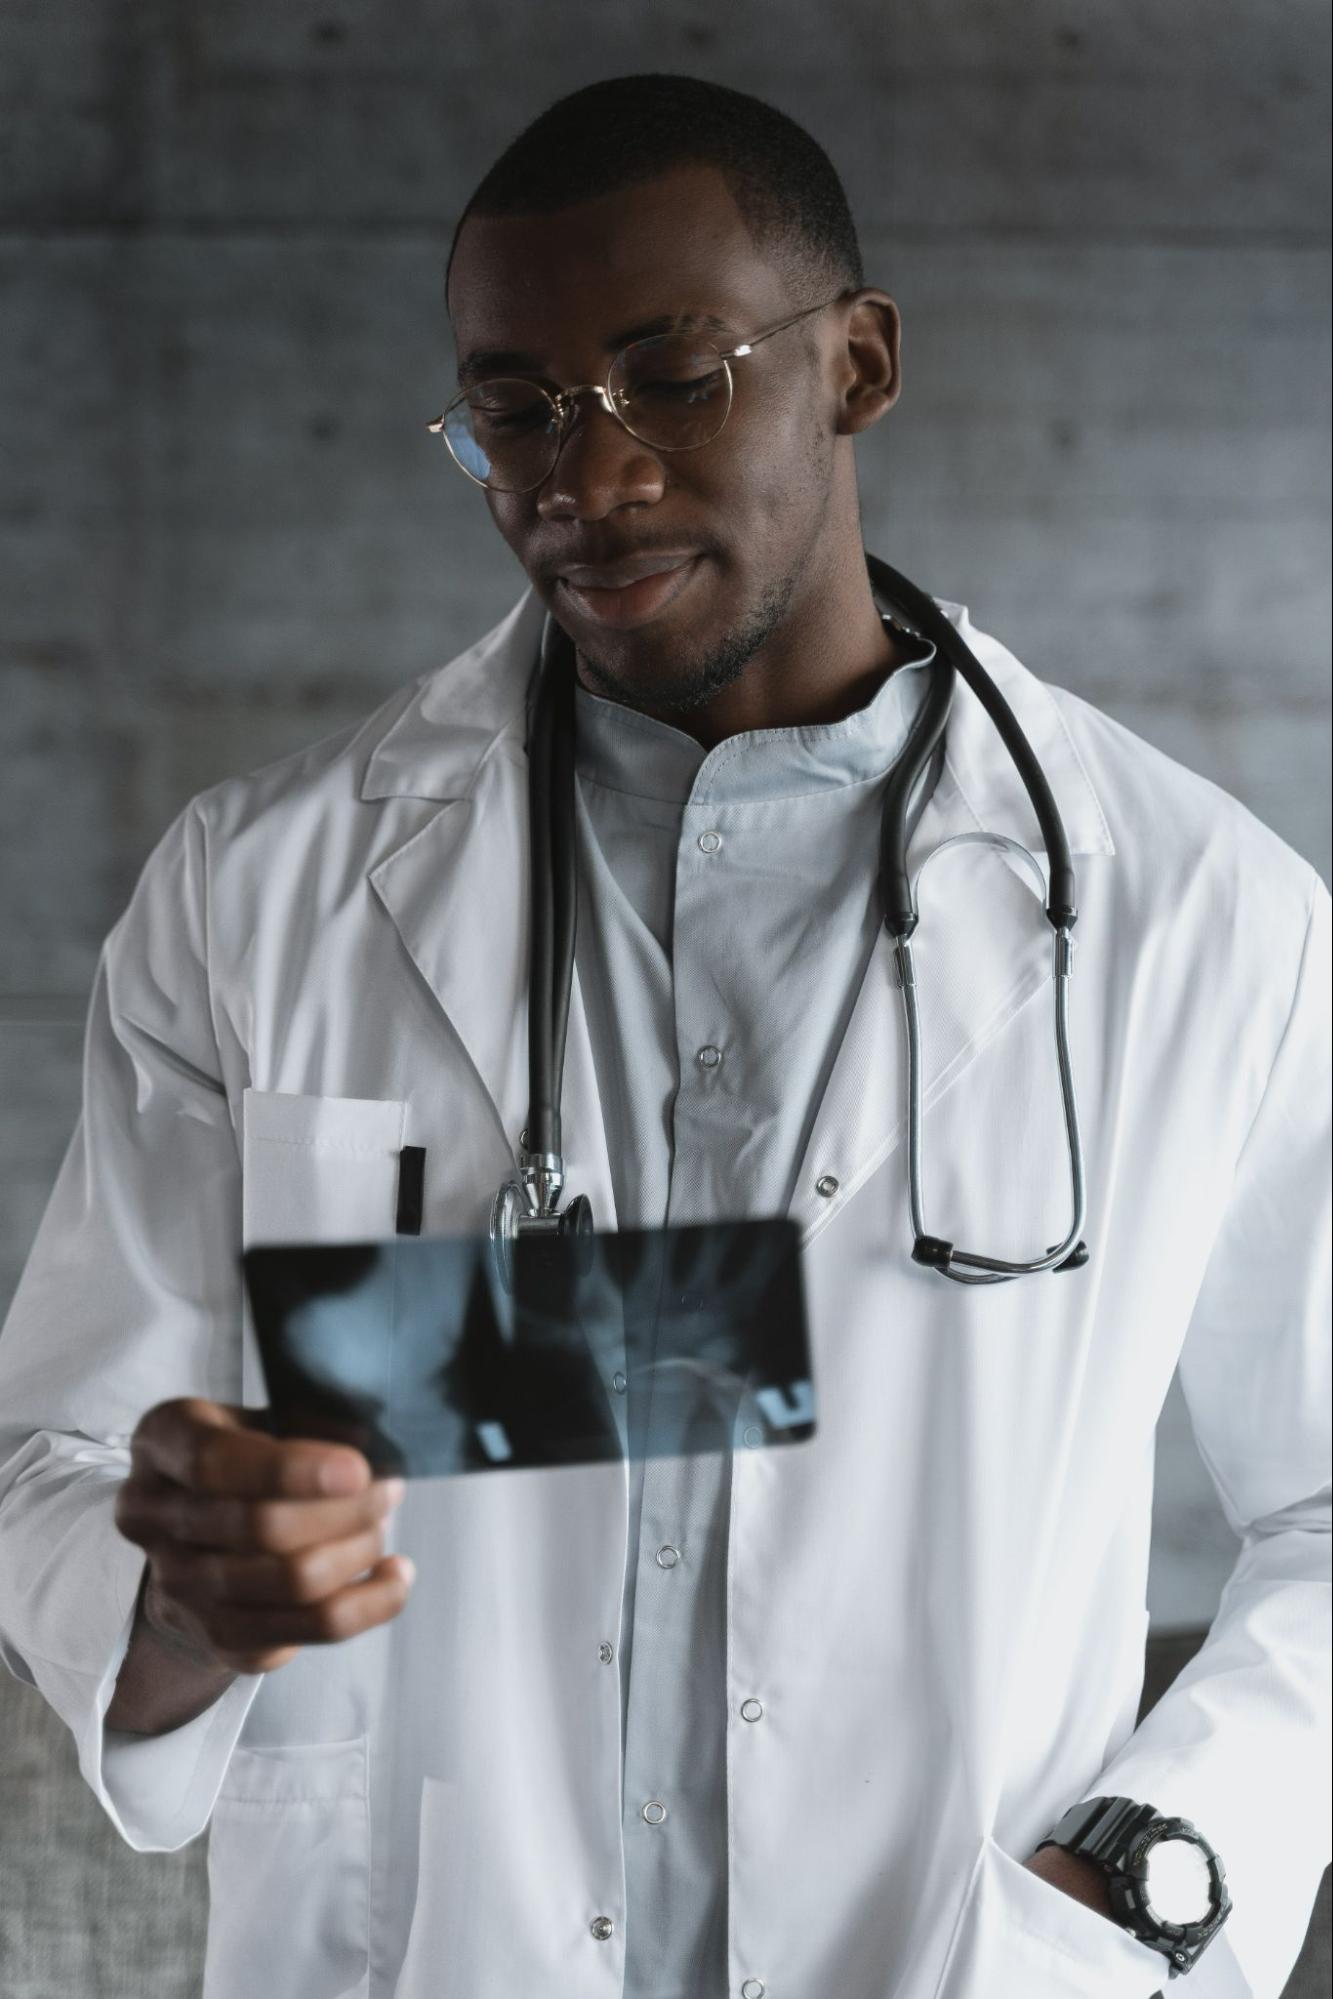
(615,575)
(630,592)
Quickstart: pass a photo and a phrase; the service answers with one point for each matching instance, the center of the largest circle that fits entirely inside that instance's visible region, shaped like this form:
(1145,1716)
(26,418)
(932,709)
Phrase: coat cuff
(158,1791)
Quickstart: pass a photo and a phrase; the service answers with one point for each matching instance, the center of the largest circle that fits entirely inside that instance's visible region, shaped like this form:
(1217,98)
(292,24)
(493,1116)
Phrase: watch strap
(1101,1829)
(1116,1833)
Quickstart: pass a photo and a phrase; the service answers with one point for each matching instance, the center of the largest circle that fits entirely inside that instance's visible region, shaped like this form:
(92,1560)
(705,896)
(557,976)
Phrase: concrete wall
(225,529)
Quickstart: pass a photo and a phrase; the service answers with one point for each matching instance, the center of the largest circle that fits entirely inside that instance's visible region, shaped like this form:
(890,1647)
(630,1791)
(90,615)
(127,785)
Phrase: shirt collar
(627,751)
(437,738)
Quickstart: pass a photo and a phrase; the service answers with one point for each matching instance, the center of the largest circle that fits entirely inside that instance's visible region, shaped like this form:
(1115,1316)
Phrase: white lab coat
(939,1601)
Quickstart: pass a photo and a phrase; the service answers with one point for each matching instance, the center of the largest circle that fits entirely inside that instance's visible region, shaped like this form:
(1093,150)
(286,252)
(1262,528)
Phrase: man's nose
(601,466)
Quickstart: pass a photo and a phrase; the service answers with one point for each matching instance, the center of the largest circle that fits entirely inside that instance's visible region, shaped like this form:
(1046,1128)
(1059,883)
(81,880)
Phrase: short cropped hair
(629,129)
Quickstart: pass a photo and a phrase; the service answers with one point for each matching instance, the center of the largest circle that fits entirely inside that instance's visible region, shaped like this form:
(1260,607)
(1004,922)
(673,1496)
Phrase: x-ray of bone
(437,1356)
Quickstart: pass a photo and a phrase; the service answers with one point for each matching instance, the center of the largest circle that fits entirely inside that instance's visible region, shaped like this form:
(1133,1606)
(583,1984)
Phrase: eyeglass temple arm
(735,353)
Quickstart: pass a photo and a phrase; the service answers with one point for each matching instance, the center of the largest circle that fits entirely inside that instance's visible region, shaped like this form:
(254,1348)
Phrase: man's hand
(1082,1879)
(257,1545)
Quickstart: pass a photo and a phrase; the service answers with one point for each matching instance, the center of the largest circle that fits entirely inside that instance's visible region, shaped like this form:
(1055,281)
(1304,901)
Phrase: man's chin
(649,677)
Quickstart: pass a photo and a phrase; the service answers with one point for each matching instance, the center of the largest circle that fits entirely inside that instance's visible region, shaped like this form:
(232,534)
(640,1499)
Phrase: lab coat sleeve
(130,1296)
(1239,1744)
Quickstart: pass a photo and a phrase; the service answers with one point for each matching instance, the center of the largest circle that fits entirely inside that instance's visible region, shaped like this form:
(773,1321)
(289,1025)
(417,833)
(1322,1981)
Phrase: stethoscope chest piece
(520,1213)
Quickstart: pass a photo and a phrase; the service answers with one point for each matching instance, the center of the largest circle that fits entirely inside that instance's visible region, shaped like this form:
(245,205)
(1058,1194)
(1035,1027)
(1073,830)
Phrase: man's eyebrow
(506,360)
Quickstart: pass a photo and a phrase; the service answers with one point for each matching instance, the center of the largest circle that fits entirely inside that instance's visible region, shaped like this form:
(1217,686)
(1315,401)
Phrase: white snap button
(826,1185)
(753,1988)
(606,1653)
(654,1812)
(601,1927)
(667,1556)
(618,1382)
(754,1435)
(751,1710)
(710,842)
(708,1056)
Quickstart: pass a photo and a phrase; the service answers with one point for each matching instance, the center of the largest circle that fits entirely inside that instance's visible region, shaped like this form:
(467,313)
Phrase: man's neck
(814,669)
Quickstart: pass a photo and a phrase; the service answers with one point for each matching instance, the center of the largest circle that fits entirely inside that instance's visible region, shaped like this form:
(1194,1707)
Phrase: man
(791,1724)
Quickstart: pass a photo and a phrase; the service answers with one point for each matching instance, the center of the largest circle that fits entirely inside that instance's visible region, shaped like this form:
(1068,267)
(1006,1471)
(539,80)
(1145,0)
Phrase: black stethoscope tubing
(554,912)
(930,621)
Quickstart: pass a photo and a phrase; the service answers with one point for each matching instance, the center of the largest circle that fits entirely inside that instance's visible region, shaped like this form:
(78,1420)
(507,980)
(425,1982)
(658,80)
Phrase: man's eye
(503,417)
(680,389)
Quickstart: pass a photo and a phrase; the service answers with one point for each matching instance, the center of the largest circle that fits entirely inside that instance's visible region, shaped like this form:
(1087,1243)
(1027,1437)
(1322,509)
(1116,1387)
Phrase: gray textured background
(225,530)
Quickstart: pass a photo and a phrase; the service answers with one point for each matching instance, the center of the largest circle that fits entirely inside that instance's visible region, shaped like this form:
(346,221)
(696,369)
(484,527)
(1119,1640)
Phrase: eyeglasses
(673,392)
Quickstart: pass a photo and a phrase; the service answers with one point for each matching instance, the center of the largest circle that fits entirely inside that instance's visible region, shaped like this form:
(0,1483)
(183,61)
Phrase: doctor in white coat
(934,1612)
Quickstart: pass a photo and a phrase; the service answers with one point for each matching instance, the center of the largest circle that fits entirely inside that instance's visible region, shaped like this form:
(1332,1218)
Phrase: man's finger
(200,1575)
(210,1447)
(152,1511)
(351,1610)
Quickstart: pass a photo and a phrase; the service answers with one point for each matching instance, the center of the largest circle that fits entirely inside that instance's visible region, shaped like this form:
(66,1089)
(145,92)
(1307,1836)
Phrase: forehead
(585,274)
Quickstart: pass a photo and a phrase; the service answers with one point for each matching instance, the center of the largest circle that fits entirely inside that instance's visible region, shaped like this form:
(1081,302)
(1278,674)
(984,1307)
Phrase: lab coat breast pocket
(1017,1933)
(320,1169)
(288,1867)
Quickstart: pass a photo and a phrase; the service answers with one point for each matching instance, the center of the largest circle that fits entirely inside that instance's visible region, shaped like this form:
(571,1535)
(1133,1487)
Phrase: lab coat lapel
(458,890)
(983,947)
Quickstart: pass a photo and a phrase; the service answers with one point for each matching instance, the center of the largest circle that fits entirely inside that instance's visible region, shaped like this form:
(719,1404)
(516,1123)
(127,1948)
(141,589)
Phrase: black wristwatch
(1167,1885)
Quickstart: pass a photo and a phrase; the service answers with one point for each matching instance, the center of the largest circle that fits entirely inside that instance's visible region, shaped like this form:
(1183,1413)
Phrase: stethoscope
(530,1205)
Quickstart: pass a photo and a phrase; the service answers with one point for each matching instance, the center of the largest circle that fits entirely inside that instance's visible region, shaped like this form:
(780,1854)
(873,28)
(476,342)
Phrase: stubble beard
(694,684)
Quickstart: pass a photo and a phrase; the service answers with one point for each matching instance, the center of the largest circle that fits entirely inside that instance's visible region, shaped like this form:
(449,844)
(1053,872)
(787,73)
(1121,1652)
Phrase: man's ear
(871,375)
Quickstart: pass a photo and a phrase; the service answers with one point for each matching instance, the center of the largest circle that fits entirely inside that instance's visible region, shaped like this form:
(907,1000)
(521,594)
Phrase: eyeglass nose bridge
(567,402)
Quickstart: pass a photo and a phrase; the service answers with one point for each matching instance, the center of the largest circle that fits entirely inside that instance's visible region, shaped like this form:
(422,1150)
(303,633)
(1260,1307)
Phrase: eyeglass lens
(673,392)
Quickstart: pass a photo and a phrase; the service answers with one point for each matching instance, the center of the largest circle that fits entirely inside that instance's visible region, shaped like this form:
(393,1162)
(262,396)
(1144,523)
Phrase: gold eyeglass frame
(564,402)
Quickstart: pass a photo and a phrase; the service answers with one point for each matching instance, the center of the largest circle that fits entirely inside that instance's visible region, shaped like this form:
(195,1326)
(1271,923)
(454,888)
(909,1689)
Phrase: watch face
(1177,1882)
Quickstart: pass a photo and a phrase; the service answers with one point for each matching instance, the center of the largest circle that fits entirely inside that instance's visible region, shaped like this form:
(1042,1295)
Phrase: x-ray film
(435,1356)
